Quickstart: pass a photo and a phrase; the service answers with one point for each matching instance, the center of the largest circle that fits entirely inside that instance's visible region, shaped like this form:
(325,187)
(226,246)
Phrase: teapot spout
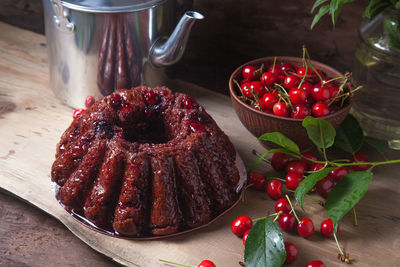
(168,52)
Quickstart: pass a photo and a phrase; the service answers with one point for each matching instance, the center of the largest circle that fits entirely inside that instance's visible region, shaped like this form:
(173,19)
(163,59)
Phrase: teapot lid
(110,6)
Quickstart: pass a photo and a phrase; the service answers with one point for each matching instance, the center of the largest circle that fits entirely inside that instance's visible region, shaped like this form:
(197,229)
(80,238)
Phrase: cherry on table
(279,161)
(77,112)
(281,109)
(268,100)
(245,235)
(283,205)
(241,225)
(324,186)
(359,157)
(287,222)
(257,180)
(305,228)
(320,109)
(291,252)
(206,263)
(297,166)
(293,180)
(249,72)
(327,228)
(297,96)
(339,173)
(315,264)
(274,189)
(300,112)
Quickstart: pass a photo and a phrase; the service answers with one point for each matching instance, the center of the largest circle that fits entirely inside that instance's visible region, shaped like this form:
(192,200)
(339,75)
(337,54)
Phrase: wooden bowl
(258,122)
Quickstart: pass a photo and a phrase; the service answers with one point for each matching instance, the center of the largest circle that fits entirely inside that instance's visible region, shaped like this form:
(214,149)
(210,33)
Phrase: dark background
(236,31)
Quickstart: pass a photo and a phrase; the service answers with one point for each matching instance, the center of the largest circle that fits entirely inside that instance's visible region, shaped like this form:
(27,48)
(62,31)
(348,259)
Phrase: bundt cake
(144,162)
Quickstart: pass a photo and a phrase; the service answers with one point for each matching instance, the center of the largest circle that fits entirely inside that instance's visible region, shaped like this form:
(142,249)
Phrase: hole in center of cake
(147,132)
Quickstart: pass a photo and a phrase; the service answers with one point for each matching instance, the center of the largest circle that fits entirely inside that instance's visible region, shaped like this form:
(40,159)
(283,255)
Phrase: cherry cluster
(293,91)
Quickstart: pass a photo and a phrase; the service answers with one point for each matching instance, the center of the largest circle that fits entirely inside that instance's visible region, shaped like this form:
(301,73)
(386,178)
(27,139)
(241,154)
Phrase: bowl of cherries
(275,94)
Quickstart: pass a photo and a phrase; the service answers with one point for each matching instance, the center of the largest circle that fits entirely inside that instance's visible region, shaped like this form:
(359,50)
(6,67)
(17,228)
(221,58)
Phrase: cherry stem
(256,98)
(277,178)
(269,215)
(355,216)
(291,206)
(337,243)
(287,101)
(303,79)
(273,65)
(240,88)
(175,263)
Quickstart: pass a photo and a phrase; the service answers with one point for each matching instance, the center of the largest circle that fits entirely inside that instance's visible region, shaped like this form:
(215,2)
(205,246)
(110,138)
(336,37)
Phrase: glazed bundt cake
(144,162)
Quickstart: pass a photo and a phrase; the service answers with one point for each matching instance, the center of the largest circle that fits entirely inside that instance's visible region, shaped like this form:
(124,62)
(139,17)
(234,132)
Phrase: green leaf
(264,245)
(308,183)
(319,131)
(281,140)
(375,7)
(321,12)
(260,158)
(349,135)
(317,4)
(346,194)
(380,145)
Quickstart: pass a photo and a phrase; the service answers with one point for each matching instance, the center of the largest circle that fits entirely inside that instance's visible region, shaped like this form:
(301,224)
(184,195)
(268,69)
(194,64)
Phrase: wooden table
(30,237)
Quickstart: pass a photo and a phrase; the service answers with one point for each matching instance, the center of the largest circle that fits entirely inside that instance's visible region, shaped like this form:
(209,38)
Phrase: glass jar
(377,68)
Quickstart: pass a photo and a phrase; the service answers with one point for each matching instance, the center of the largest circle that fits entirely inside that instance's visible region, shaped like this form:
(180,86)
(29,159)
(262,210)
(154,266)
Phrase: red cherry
(287,68)
(300,111)
(291,252)
(302,71)
(339,173)
(315,264)
(334,92)
(306,86)
(274,189)
(283,205)
(256,87)
(287,222)
(77,112)
(89,101)
(297,96)
(245,235)
(151,97)
(359,157)
(305,228)
(291,81)
(297,166)
(249,73)
(324,186)
(293,180)
(206,263)
(281,109)
(188,102)
(279,161)
(309,155)
(257,180)
(327,228)
(269,78)
(277,69)
(320,93)
(316,167)
(268,101)
(320,109)
(241,225)
(325,82)
(197,127)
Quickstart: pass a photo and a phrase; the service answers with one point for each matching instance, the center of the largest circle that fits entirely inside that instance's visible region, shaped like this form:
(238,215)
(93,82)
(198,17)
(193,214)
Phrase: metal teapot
(98,46)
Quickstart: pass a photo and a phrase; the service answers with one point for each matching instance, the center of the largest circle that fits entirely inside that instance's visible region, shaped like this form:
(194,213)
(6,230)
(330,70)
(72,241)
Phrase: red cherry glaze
(269,78)
(268,100)
(297,166)
(300,111)
(248,73)
(279,161)
(293,180)
(297,96)
(274,189)
(241,225)
(320,109)
(291,252)
(291,81)
(287,222)
(245,235)
(188,102)
(206,263)
(324,186)
(327,228)
(281,109)
(283,205)
(320,93)
(197,127)
(151,97)
(315,264)
(339,173)
(89,101)
(257,180)
(359,157)
(305,228)
(77,112)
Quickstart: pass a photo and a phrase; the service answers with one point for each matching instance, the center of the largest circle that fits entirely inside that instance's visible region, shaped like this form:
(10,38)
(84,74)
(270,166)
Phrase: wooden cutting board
(32,120)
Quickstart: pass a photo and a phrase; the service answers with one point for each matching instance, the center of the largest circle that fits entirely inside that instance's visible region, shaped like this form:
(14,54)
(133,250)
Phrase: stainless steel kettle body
(94,51)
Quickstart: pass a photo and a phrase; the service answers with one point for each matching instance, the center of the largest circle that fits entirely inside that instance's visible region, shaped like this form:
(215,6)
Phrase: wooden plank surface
(32,119)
